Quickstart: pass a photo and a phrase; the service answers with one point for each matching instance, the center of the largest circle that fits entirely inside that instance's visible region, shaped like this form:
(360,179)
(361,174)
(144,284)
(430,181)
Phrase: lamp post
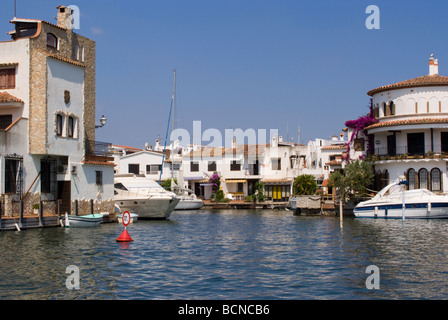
(102,122)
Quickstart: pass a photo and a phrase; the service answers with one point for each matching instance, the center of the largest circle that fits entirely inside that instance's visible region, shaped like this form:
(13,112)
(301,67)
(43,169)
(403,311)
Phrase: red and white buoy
(124,236)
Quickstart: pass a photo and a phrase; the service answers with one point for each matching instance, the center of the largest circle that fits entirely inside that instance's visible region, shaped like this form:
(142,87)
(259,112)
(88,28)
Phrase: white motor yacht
(138,194)
(418,203)
(188,200)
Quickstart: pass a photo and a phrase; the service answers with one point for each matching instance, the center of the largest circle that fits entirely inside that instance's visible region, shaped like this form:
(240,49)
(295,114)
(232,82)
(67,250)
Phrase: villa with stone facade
(48,152)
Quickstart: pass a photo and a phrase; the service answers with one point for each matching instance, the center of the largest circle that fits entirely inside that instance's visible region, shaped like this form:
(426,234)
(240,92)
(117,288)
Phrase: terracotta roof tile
(335,147)
(424,81)
(407,122)
(5,97)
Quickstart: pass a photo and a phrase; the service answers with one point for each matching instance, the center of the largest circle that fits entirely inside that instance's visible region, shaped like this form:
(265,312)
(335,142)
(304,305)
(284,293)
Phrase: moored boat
(86,221)
(136,193)
(394,202)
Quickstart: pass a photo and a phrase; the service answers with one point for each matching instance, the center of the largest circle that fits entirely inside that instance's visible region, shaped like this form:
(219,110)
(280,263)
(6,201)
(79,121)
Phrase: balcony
(97,148)
(410,152)
(96,152)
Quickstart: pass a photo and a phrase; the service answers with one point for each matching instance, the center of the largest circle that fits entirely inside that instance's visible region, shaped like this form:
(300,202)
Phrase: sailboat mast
(172,129)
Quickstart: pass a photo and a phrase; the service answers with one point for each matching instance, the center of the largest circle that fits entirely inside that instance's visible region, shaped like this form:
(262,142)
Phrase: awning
(206,184)
(193,178)
(236,181)
(277,181)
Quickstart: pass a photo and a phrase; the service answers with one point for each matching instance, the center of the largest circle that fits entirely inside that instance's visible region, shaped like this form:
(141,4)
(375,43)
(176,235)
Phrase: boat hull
(152,208)
(395,211)
(87,221)
(189,205)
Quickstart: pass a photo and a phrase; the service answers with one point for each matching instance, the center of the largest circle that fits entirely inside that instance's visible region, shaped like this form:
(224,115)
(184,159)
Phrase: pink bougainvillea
(358,126)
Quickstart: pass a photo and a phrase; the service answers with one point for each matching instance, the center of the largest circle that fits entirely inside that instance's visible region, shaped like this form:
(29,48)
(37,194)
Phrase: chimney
(433,66)
(234,143)
(65,17)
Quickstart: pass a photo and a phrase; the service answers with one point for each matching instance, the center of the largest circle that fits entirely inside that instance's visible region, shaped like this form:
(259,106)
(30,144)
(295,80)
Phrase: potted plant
(36,208)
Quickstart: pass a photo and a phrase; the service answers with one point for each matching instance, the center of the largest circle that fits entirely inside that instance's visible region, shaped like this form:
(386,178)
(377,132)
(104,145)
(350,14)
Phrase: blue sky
(249,64)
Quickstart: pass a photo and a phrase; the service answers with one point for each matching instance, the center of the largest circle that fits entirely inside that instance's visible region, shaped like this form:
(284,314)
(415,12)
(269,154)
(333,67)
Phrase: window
(392,108)
(8,78)
(240,187)
(134,168)
(416,143)
(436,184)
(59,125)
(384,109)
(412,177)
(48,176)
(194,166)
(376,111)
(153,168)
(71,127)
(423,179)
(5,121)
(235,166)
(13,176)
(52,41)
(276,164)
(212,166)
(359,144)
(99,178)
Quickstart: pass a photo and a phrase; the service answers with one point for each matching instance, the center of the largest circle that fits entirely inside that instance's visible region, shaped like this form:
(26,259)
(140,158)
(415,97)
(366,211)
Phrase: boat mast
(172,129)
(168,130)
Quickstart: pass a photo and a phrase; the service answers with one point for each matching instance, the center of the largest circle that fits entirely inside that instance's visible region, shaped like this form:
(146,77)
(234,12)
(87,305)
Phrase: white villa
(47,120)
(411,137)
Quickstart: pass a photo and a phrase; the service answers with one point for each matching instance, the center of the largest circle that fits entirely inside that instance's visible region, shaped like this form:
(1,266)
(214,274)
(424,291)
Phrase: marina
(232,204)
(230,254)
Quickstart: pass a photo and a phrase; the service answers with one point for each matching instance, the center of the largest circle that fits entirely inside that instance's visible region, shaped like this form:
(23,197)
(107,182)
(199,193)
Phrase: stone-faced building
(47,120)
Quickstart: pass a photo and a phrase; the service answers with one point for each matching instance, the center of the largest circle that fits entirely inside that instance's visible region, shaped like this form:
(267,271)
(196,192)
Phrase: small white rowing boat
(86,221)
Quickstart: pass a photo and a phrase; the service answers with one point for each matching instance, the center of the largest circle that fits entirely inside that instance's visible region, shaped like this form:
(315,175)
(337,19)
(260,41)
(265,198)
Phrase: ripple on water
(230,255)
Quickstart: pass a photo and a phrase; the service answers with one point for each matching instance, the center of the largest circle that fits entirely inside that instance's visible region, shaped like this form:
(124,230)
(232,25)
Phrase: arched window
(71,127)
(436,184)
(52,40)
(412,179)
(59,125)
(392,108)
(423,180)
(376,111)
(384,109)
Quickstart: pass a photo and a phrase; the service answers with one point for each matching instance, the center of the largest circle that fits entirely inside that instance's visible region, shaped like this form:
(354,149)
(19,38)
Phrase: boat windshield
(141,184)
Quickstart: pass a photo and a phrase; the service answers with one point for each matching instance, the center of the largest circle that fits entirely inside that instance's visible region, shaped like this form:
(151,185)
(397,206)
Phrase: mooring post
(76,207)
(21,214)
(91,206)
(41,213)
(59,209)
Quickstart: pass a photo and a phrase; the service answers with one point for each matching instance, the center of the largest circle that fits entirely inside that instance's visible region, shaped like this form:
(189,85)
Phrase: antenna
(15,8)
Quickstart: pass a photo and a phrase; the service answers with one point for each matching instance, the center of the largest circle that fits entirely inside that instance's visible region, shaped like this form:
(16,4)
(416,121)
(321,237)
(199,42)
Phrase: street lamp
(102,122)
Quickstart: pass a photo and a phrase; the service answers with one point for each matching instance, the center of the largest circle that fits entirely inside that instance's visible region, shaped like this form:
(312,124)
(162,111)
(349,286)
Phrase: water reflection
(258,254)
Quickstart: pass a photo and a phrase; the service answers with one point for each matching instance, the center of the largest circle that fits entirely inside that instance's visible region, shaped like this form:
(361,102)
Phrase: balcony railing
(411,150)
(97,148)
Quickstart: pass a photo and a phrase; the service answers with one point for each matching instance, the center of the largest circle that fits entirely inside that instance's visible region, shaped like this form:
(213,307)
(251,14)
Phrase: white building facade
(411,137)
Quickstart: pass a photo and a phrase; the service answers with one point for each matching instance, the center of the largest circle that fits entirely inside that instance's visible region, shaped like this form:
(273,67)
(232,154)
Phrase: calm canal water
(234,254)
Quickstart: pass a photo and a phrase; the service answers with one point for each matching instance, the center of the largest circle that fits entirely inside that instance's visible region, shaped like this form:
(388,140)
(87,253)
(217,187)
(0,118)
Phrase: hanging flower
(358,126)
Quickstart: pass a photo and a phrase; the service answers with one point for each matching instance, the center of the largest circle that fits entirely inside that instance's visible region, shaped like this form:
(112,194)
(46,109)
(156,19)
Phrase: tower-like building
(411,136)
(47,119)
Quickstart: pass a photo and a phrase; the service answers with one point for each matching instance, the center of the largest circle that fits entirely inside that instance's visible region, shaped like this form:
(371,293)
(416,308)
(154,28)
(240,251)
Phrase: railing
(97,148)
(411,150)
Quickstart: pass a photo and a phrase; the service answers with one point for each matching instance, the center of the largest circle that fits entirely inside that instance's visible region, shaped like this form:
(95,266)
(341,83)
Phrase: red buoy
(124,237)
